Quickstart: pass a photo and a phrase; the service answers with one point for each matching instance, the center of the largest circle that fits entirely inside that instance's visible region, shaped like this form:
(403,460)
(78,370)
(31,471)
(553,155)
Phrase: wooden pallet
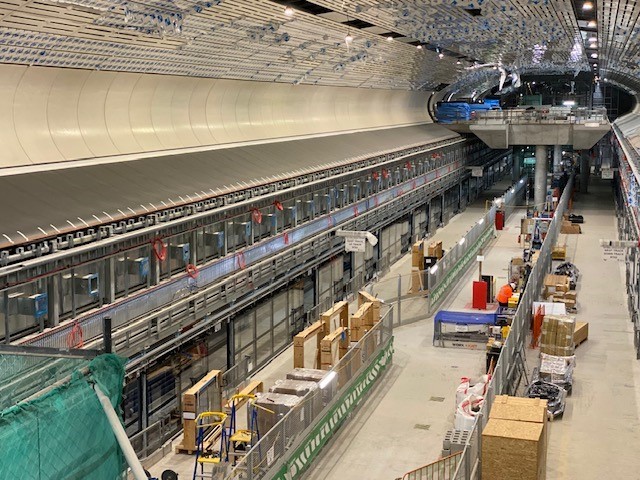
(581,342)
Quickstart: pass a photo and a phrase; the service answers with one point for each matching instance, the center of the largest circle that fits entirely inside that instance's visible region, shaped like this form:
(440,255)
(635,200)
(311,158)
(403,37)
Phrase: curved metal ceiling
(256,40)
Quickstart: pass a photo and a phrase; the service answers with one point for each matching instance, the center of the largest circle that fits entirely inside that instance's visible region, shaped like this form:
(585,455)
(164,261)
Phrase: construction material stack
(514,441)
(417,266)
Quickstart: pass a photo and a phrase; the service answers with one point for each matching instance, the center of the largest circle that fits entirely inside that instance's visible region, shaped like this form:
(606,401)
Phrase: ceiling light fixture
(441,55)
(458,62)
(591,24)
(389,39)
(587,6)
(594,55)
(419,47)
(348,39)
(593,39)
(593,45)
(288,11)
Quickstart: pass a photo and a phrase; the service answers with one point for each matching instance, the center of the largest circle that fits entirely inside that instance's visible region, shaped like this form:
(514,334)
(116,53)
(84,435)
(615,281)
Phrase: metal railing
(543,116)
(443,469)
(505,375)
(290,446)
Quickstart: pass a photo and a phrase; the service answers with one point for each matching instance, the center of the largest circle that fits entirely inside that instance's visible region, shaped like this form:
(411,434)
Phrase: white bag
(469,386)
(467,411)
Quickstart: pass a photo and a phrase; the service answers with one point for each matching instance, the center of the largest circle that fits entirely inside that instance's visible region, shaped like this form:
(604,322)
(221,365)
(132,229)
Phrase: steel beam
(31,351)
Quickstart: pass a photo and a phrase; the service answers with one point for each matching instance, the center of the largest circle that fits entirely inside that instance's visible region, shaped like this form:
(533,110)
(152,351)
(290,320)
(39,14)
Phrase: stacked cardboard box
(435,250)
(300,388)
(557,335)
(274,407)
(417,264)
(555,284)
(568,298)
(314,375)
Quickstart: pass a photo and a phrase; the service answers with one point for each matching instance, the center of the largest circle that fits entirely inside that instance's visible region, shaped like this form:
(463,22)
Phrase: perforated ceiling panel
(395,43)
(249,40)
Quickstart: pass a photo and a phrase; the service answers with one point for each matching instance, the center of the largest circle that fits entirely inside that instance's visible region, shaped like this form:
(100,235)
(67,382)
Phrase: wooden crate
(581,333)
(513,450)
(521,410)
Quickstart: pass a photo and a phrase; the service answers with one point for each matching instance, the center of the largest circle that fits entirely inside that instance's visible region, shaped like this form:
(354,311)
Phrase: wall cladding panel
(60,115)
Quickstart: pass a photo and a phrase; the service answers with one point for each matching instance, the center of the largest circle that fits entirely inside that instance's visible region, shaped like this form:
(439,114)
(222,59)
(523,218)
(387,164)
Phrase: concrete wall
(58,115)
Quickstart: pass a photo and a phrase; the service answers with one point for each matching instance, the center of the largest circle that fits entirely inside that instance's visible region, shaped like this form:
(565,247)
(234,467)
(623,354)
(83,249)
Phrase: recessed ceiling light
(389,39)
(594,55)
(288,11)
(587,6)
(595,64)
(593,39)
(591,24)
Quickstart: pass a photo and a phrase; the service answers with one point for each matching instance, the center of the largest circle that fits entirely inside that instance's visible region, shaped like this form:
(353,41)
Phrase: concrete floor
(597,436)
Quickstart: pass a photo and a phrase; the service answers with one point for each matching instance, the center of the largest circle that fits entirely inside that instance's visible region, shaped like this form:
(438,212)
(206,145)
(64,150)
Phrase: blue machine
(462,329)
(449,112)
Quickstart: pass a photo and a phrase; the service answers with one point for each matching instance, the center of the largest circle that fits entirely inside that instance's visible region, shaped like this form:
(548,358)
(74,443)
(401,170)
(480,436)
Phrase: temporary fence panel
(64,433)
(457,259)
(288,448)
(505,372)
(443,469)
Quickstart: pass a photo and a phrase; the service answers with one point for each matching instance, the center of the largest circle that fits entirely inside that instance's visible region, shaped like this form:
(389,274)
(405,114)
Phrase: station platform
(384,415)
(601,422)
(412,407)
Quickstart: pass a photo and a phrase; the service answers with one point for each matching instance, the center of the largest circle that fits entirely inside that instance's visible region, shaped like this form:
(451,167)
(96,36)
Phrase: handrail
(444,469)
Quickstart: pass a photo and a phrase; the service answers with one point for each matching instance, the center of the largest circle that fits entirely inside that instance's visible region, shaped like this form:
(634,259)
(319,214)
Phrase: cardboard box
(548,335)
(513,450)
(559,253)
(570,228)
(555,283)
(435,250)
(581,333)
(557,335)
(275,406)
(417,255)
(517,261)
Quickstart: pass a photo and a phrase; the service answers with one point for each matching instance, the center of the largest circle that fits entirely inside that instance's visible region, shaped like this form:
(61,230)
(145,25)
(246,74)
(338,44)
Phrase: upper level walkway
(581,128)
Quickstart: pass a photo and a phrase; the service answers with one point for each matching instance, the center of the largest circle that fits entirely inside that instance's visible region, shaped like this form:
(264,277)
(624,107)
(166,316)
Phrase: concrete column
(585,171)
(518,159)
(540,188)
(557,158)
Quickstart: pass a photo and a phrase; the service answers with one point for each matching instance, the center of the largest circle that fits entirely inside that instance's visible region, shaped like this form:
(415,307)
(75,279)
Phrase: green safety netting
(65,434)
